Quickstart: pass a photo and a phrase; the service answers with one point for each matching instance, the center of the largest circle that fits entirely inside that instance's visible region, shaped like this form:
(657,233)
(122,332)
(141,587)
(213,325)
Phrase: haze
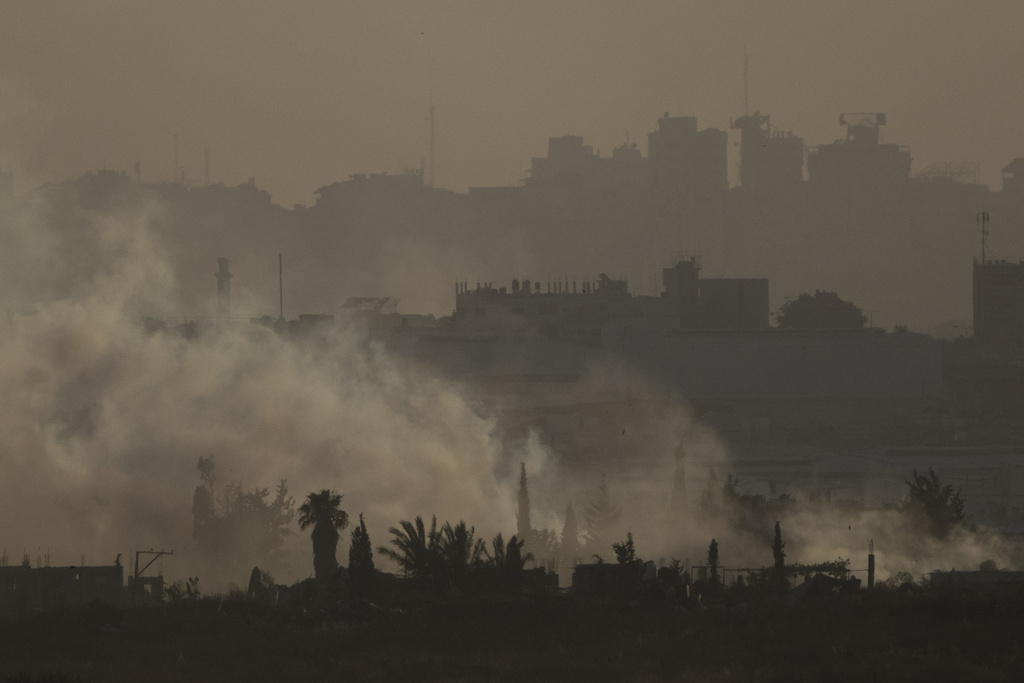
(302,94)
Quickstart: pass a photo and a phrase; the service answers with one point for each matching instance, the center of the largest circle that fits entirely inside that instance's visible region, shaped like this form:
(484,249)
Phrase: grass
(883,636)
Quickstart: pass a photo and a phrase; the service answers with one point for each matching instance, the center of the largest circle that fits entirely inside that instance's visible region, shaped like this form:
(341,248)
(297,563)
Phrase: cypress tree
(780,557)
(361,574)
(713,560)
(523,525)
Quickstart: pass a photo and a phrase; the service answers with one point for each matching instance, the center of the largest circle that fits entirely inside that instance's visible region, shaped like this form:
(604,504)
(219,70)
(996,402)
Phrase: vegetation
(600,516)
(445,558)
(821,310)
(907,635)
(570,545)
(630,567)
(713,560)
(415,549)
(183,591)
(323,512)
(936,506)
(239,528)
(779,556)
(523,525)
(361,573)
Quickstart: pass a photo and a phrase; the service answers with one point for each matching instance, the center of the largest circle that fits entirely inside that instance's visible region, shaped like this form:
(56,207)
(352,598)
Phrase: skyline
(292,97)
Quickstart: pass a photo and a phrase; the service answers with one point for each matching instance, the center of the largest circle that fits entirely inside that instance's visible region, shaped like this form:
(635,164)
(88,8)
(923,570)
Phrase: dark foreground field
(885,635)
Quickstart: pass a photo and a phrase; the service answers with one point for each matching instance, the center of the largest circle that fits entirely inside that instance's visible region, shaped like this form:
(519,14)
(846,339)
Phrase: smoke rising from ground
(103,423)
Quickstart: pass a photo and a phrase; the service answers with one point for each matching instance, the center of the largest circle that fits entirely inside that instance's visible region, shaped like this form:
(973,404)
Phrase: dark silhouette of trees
(821,310)
(505,565)
(523,524)
(625,553)
(459,553)
(713,560)
(570,541)
(323,512)
(935,505)
(779,555)
(600,516)
(414,548)
(436,559)
(361,572)
(240,528)
(630,567)
(515,560)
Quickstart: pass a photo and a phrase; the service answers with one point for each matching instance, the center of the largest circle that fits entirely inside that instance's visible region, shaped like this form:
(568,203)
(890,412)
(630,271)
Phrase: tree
(458,552)
(625,553)
(780,556)
(323,512)
(600,515)
(240,528)
(713,560)
(415,550)
(822,310)
(523,525)
(514,563)
(361,573)
(570,540)
(630,566)
(936,505)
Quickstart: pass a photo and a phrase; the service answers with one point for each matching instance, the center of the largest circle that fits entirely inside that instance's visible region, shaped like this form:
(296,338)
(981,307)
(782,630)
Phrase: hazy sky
(300,94)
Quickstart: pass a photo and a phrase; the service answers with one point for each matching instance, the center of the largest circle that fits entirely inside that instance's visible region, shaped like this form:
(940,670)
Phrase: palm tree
(416,549)
(323,512)
(459,552)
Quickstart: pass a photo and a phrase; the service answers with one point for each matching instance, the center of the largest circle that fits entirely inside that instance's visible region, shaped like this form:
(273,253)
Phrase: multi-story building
(576,311)
(861,161)
(999,305)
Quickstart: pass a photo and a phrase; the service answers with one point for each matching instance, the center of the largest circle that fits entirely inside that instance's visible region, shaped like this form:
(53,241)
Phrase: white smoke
(103,423)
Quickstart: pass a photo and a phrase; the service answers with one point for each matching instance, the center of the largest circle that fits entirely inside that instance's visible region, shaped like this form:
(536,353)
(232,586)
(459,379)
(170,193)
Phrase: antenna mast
(983,229)
(746,108)
(431,161)
(280,286)
(176,165)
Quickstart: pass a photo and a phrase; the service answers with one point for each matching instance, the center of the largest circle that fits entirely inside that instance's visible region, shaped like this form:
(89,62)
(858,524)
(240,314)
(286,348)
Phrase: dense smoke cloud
(103,422)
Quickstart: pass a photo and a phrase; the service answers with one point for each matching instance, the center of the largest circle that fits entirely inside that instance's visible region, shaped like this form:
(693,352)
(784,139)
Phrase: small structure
(999,305)
(24,587)
(988,578)
(223,276)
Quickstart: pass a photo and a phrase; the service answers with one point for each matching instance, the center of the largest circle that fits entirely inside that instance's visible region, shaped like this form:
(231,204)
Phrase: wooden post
(871,564)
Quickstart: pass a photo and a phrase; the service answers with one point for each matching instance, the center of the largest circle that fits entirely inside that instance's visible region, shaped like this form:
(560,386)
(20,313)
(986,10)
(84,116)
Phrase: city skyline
(293,97)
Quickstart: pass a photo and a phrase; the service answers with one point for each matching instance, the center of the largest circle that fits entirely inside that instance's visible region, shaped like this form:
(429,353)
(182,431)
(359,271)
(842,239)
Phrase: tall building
(686,160)
(769,160)
(999,305)
(861,161)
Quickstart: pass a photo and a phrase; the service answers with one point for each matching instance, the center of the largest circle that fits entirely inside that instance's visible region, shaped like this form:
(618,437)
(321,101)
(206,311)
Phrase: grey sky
(300,94)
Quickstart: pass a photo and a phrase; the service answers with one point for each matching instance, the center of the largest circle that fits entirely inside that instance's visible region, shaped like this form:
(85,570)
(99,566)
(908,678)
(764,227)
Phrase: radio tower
(746,108)
(430,166)
(176,166)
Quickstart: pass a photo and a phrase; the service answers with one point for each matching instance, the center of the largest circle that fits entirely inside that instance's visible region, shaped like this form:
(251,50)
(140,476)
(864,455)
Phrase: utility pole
(138,572)
(431,160)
